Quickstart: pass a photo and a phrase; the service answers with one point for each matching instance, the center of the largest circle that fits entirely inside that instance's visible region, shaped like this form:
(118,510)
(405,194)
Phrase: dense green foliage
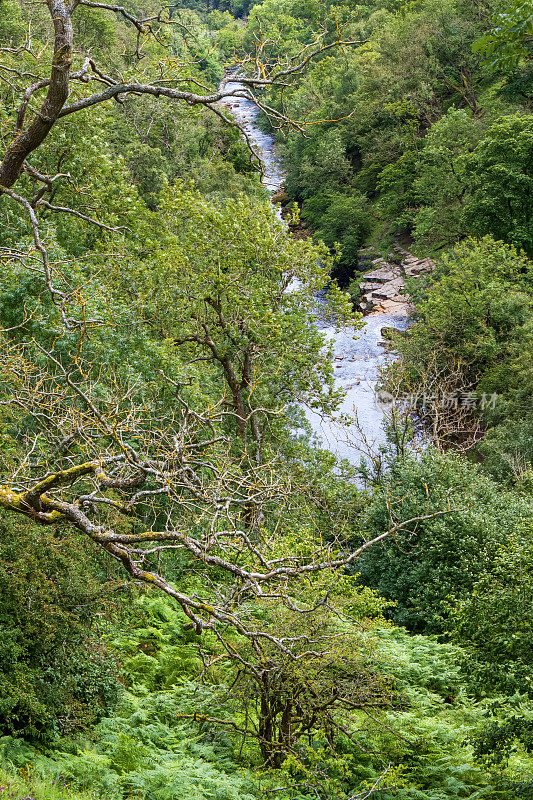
(146,747)
(473,332)
(150,746)
(481,620)
(410,674)
(433,139)
(55,675)
(445,555)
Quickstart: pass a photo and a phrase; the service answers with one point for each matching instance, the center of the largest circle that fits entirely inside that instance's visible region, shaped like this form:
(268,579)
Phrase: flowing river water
(358,354)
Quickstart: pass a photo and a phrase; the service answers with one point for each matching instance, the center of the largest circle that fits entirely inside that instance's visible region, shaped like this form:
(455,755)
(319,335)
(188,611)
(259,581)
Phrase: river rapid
(358,354)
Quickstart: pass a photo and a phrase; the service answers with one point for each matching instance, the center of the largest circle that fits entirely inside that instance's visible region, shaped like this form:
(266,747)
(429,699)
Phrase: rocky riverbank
(383,287)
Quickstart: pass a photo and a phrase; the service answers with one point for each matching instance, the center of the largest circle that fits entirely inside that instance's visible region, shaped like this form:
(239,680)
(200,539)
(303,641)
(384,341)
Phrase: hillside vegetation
(197,602)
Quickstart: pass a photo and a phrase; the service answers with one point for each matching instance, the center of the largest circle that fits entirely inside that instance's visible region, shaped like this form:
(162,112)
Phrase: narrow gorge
(359,353)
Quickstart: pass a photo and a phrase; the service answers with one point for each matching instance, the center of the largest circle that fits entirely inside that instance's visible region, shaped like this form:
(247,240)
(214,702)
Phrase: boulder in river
(399,306)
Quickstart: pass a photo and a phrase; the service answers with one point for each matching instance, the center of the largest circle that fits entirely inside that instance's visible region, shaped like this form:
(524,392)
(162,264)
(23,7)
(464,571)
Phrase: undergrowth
(23,785)
(150,749)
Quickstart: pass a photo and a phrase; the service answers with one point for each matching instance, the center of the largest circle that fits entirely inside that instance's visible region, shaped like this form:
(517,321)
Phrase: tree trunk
(28,139)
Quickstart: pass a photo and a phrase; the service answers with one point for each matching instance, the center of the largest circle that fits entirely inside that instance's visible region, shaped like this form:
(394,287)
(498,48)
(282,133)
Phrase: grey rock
(389,290)
(368,287)
(383,275)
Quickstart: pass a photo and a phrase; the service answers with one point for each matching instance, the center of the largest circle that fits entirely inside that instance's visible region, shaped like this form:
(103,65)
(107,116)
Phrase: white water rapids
(358,356)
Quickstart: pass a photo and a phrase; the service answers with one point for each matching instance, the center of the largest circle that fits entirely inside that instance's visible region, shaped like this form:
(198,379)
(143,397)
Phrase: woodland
(198,600)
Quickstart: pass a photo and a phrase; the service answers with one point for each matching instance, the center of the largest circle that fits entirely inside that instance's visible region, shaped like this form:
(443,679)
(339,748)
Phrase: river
(358,354)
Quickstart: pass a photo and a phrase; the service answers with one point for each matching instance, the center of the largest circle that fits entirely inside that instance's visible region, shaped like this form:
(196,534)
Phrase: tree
(500,170)
(313,696)
(471,331)
(442,185)
(217,288)
(174,77)
(439,560)
(510,38)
